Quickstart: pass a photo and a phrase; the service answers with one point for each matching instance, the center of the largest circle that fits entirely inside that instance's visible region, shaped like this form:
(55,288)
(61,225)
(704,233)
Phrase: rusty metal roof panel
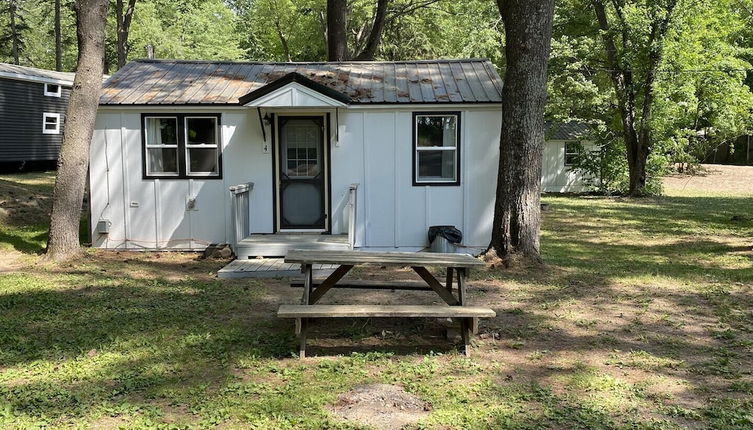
(180,82)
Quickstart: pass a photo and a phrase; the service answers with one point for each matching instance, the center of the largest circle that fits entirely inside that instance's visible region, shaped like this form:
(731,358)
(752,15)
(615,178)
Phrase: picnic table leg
(465,332)
(461,285)
(450,274)
(308,279)
(462,272)
(302,337)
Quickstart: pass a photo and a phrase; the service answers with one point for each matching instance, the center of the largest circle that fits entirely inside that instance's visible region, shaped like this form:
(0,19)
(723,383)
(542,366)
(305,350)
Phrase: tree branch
(375,35)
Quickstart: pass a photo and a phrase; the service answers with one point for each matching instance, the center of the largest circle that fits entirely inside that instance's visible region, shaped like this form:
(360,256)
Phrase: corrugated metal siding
(161,82)
(21,107)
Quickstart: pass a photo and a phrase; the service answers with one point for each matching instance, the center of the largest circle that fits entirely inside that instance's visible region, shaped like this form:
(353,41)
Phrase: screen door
(302,173)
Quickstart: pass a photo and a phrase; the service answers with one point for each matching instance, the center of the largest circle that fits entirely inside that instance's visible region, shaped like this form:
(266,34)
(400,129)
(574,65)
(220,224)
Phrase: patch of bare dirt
(381,406)
(714,178)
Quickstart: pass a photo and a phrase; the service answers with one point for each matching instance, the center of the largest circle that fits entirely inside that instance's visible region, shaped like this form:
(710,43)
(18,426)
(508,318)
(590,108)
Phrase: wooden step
(383,311)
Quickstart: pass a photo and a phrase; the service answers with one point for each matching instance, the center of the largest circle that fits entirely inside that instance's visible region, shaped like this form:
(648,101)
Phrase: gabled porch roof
(295,90)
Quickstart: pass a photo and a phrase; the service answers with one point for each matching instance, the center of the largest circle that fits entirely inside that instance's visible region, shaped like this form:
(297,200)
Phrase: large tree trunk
(337,19)
(123,18)
(517,212)
(375,35)
(58,39)
(73,161)
(637,136)
(14,36)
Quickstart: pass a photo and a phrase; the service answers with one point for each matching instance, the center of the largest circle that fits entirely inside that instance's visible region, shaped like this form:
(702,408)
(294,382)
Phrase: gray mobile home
(32,113)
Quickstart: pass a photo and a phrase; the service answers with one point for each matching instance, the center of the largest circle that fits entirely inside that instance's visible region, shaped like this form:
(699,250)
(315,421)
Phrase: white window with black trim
(50,123)
(181,145)
(436,148)
(572,149)
(53,90)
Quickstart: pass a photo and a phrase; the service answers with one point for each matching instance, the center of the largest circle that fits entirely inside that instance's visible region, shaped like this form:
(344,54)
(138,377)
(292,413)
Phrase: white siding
(374,149)
(555,176)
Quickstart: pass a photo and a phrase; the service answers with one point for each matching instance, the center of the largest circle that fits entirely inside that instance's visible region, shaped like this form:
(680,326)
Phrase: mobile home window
(50,123)
(201,145)
(436,148)
(181,146)
(161,135)
(52,90)
(571,152)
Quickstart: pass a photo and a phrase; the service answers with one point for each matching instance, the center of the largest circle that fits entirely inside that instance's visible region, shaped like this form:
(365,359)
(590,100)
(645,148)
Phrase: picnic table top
(381,258)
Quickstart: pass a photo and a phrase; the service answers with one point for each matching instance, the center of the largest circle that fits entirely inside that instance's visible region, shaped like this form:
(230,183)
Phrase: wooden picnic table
(457,267)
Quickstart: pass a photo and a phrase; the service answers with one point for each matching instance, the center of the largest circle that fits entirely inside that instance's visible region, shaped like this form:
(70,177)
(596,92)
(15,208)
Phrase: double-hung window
(161,137)
(572,149)
(181,145)
(201,145)
(50,123)
(436,148)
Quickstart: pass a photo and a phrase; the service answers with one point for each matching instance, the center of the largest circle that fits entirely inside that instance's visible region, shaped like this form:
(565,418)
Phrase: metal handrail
(241,204)
(352,205)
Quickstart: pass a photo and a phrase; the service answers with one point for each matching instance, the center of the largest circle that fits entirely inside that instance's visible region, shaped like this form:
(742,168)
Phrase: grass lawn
(641,318)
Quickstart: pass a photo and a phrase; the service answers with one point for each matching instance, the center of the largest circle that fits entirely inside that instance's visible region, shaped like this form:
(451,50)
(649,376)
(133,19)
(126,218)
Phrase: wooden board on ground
(383,311)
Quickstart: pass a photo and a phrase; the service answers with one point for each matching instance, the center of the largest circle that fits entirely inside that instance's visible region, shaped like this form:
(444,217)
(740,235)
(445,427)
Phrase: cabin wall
(371,147)
(22,104)
(153,213)
(556,177)
(375,151)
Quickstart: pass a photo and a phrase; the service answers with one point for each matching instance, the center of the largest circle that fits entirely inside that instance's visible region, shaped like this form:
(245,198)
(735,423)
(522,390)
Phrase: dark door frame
(276,167)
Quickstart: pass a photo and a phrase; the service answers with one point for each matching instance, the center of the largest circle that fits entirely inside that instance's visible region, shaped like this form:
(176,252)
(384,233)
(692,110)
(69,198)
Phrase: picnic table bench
(457,266)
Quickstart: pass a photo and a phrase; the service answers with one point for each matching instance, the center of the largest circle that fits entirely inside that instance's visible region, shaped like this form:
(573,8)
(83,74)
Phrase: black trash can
(444,238)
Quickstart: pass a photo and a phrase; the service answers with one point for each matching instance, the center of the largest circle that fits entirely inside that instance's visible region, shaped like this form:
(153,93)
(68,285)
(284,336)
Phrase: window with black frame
(572,149)
(181,145)
(436,148)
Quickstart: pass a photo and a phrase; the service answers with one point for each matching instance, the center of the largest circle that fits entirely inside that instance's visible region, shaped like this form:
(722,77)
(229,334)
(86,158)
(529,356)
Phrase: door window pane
(302,139)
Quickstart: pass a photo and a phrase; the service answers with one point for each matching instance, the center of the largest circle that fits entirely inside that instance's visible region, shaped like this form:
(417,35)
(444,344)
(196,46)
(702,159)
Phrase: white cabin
(563,140)
(273,156)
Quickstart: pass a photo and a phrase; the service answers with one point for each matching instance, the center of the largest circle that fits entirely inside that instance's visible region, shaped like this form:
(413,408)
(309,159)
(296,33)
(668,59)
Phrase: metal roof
(23,73)
(571,130)
(169,82)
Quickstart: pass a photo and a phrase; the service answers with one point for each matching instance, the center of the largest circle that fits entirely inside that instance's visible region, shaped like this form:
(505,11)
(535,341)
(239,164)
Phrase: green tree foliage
(701,98)
(184,30)
(702,92)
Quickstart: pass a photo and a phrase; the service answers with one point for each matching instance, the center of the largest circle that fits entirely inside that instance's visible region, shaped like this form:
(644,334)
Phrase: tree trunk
(14,37)
(375,35)
(283,41)
(73,162)
(637,136)
(337,42)
(517,211)
(58,39)
(123,18)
